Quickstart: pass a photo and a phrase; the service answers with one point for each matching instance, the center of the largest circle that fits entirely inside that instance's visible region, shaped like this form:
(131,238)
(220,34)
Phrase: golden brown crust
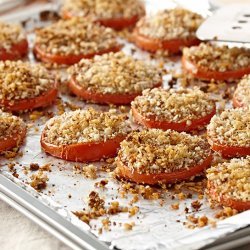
(75,37)
(115,73)
(104,9)
(231,127)
(218,58)
(10,34)
(157,151)
(177,23)
(10,125)
(174,105)
(83,126)
(20,80)
(231,179)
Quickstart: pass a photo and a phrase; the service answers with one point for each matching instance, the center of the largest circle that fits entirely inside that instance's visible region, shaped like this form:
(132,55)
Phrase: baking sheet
(157,225)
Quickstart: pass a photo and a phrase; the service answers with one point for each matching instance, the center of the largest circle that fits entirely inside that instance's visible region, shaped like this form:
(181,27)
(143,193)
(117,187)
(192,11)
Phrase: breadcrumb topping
(115,73)
(9,125)
(218,58)
(157,151)
(104,9)
(231,127)
(174,105)
(22,80)
(242,92)
(10,34)
(75,37)
(83,126)
(170,24)
(231,179)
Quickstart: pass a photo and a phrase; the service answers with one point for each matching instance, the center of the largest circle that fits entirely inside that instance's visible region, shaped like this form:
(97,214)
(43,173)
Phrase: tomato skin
(43,100)
(227,202)
(180,127)
(152,45)
(152,179)
(228,151)
(83,152)
(117,23)
(107,98)
(17,51)
(204,74)
(13,141)
(68,59)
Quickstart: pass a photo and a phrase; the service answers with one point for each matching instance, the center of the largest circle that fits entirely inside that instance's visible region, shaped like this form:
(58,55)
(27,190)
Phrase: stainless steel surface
(229,24)
(46,217)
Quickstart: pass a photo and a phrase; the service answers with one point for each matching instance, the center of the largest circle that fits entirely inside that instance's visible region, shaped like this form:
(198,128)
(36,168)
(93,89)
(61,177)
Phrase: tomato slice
(68,59)
(117,23)
(152,45)
(205,74)
(152,179)
(103,98)
(225,201)
(228,151)
(17,51)
(43,100)
(180,126)
(13,140)
(83,152)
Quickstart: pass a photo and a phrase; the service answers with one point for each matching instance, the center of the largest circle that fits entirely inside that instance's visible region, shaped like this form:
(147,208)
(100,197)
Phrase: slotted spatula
(228,24)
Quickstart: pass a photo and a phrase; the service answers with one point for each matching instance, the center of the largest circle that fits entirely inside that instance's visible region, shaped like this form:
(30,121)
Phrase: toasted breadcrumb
(104,9)
(21,80)
(83,126)
(90,171)
(10,34)
(231,127)
(39,181)
(230,179)
(157,151)
(10,125)
(242,92)
(115,73)
(75,36)
(174,105)
(218,58)
(170,24)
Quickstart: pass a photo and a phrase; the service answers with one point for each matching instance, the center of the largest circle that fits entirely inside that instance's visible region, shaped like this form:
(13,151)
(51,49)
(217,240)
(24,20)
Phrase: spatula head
(230,24)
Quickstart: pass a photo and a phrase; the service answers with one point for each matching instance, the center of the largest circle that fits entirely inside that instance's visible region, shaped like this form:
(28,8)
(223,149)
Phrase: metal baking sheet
(157,225)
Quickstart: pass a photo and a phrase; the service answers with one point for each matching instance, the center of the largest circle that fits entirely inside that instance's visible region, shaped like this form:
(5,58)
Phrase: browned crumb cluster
(39,181)
(174,105)
(89,171)
(75,37)
(22,80)
(242,92)
(218,58)
(104,9)
(97,209)
(115,73)
(225,213)
(200,221)
(10,34)
(157,151)
(145,192)
(170,24)
(231,127)
(83,126)
(231,179)
(10,125)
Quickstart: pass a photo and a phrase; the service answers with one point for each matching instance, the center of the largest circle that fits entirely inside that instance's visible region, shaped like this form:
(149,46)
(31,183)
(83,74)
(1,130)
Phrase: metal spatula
(228,24)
